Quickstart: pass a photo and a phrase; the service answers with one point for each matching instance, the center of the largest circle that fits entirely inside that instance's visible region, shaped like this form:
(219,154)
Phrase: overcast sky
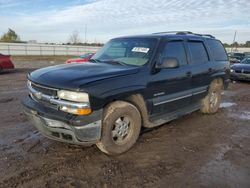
(54,21)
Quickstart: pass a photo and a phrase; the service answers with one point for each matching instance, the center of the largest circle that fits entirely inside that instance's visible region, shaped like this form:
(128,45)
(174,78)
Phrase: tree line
(237,45)
(74,39)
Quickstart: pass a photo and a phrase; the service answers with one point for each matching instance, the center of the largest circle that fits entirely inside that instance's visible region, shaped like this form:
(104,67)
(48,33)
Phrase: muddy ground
(194,151)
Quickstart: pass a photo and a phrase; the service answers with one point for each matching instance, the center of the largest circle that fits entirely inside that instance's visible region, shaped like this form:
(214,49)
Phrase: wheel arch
(138,101)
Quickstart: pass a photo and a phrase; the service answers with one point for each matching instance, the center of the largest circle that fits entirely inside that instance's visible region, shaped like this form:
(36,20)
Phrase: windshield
(130,51)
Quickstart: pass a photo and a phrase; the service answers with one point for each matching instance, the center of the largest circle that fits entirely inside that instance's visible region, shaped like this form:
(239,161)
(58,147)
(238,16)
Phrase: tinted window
(198,52)
(217,50)
(176,50)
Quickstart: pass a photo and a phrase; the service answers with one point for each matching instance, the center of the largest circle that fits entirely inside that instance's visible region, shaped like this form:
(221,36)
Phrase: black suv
(132,82)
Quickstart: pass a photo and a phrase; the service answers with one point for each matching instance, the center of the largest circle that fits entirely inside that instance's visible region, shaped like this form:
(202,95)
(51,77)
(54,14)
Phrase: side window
(198,52)
(217,50)
(175,49)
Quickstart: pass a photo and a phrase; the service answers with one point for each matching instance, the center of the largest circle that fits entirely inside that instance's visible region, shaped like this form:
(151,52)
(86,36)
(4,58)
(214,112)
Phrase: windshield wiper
(94,60)
(115,61)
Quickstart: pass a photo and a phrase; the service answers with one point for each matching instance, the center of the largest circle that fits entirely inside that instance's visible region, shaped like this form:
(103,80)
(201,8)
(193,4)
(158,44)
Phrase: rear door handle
(189,74)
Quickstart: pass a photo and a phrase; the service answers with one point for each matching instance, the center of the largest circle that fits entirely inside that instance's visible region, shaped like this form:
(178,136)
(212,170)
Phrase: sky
(54,21)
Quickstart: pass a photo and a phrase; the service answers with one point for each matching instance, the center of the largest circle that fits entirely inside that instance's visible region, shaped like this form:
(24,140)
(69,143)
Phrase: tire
(120,128)
(211,103)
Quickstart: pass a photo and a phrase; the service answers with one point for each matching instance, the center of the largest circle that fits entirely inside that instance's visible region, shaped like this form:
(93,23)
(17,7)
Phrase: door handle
(210,70)
(189,74)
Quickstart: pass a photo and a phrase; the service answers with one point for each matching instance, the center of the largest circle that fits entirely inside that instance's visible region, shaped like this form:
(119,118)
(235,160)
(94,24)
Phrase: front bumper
(240,76)
(64,127)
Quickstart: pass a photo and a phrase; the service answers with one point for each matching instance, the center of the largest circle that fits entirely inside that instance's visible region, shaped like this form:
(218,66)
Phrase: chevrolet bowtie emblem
(38,95)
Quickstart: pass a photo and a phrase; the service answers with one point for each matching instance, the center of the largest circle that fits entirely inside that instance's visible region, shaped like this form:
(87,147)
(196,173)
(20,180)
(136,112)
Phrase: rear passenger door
(201,68)
(170,87)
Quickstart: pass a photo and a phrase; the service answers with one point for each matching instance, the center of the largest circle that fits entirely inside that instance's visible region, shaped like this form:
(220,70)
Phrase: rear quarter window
(217,50)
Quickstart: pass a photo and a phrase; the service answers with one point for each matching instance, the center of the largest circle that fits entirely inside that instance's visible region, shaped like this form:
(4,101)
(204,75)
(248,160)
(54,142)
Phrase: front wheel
(120,128)
(211,103)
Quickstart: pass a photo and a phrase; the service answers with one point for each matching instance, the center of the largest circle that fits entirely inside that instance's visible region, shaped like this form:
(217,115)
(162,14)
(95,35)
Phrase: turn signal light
(84,111)
(77,111)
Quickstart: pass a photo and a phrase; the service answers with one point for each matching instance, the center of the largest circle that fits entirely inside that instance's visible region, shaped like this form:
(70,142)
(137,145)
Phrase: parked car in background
(236,57)
(241,71)
(6,62)
(247,54)
(83,58)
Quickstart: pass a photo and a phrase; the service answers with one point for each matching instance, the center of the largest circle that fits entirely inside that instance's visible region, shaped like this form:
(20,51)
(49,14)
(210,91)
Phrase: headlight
(80,97)
(73,96)
(231,70)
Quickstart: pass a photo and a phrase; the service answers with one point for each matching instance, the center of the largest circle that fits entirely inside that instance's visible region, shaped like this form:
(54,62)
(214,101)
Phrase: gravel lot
(194,151)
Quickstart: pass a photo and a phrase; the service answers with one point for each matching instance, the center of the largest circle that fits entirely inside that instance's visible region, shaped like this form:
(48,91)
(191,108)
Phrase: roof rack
(174,32)
(185,33)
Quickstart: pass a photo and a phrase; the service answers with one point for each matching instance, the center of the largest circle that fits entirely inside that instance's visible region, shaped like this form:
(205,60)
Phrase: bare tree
(74,37)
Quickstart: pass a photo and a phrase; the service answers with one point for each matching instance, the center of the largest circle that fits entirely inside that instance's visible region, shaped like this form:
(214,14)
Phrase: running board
(164,118)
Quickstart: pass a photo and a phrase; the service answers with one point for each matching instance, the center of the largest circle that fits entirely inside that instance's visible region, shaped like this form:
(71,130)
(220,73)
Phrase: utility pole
(234,40)
(85,33)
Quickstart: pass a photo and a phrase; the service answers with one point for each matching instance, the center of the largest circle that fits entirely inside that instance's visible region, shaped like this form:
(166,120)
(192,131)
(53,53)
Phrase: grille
(44,90)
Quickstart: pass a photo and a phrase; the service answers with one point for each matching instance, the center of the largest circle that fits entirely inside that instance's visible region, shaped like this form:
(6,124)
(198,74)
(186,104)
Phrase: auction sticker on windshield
(140,49)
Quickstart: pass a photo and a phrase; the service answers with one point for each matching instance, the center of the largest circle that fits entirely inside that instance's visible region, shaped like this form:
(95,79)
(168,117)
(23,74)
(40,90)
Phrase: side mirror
(168,63)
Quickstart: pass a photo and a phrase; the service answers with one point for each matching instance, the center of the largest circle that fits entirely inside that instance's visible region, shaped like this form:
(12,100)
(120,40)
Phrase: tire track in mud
(30,174)
(14,91)
(139,177)
(112,172)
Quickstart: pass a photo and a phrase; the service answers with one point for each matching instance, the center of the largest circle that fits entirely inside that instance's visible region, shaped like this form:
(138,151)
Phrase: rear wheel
(121,128)
(211,103)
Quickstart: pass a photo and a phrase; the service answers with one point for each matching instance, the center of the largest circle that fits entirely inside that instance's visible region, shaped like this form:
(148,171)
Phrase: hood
(73,76)
(240,66)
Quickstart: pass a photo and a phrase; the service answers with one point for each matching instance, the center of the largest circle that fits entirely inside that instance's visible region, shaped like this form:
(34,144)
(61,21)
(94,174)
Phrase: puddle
(227,104)
(242,115)
(219,171)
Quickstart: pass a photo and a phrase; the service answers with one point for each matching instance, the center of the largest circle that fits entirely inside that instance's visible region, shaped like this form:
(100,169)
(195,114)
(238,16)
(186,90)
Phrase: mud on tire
(120,128)
(211,103)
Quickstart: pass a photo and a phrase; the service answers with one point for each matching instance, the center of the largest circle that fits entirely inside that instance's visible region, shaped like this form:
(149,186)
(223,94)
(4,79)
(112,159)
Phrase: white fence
(238,49)
(44,49)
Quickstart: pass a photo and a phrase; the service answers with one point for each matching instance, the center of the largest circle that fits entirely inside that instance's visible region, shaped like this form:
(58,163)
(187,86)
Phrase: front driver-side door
(170,88)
